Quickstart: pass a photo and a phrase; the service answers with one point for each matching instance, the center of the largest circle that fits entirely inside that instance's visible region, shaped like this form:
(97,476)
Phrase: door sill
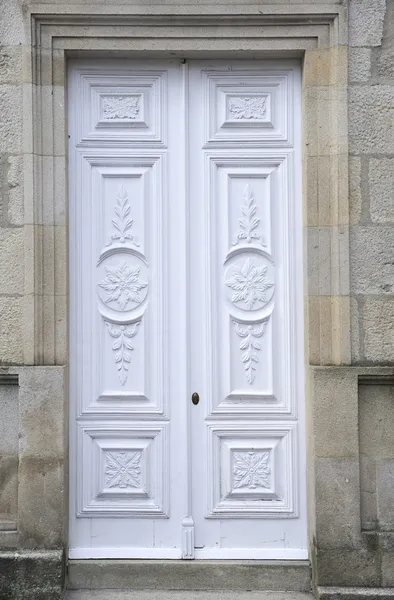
(224,575)
(200,554)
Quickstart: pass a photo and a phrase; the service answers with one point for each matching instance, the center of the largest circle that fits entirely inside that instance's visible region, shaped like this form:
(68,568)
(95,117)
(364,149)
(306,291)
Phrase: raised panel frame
(280,498)
(248,108)
(122,108)
(94,398)
(281,401)
(96,497)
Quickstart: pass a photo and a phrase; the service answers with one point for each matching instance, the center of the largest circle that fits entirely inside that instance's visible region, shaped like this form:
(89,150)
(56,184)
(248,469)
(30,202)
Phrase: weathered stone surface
(377,324)
(381,187)
(371,119)
(354,593)
(189,575)
(376,420)
(31,575)
(366,22)
(10,65)
(388,569)
(11,261)
(385,493)
(11,119)
(42,452)
(337,492)
(348,566)
(15,191)
(372,260)
(385,54)
(376,425)
(335,420)
(11,350)
(355,193)
(8,453)
(182,595)
(359,64)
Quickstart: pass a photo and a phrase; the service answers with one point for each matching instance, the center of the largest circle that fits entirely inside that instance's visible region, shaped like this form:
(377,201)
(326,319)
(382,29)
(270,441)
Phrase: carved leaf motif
(249,344)
(121,345)
(123,223)
(249,284)
(121,107)
(248,222)
(251,469)
(251,108)
(123,469)
(123,285)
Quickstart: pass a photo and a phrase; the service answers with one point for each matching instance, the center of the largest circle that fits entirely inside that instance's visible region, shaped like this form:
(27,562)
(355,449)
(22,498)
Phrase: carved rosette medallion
(122,469)
(249,284)
(124,287)
(251,470)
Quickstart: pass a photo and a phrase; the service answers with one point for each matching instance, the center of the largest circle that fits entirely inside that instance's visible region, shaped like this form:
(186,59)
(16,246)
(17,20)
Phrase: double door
(186,310)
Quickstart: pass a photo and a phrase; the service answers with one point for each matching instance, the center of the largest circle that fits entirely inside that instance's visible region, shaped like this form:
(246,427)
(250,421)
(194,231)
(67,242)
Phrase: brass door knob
(195,398)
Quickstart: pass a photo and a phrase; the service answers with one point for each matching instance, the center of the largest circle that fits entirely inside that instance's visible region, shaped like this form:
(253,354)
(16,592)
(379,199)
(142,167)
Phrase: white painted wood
(127,310)
(246,310)
(186,275)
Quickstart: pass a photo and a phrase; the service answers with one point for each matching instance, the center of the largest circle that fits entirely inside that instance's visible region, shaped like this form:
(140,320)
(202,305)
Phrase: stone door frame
(317,33)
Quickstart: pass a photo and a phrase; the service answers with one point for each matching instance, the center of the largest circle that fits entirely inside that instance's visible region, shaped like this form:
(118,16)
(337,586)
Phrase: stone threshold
(354,593)
(182,595)
(189,575)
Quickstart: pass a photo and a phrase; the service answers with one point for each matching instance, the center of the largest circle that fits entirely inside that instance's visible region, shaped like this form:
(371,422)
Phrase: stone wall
(371,148)
(351,519)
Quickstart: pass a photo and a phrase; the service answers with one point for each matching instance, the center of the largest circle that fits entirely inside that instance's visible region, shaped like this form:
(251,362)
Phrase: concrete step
(189,575)
(182,595)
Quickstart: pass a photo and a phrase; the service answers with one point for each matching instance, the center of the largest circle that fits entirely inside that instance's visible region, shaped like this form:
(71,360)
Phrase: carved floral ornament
(123,223)
(121,107)
(248,223)
(122,346)
(251,470)
(249,346)
(123,285)
(249,284)
(122,469)
(250,108)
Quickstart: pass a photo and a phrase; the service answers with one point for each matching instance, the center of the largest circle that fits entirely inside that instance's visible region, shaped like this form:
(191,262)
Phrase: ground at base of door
(182,595)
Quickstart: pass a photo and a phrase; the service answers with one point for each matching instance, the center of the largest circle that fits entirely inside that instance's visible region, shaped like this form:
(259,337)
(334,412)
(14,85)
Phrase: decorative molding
(249,345)
(122,469)
(248,222)
(121,107)
(251,469)
(252,108)
(121,346)
(123,285)
(249,284)
(123,226)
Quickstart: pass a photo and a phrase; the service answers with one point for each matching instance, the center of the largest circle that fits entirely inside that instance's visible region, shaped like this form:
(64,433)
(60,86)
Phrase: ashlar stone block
(381,187)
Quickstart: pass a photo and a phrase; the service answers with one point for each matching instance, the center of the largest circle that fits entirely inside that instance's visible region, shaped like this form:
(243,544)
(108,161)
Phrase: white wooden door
(186,277)
(246,315)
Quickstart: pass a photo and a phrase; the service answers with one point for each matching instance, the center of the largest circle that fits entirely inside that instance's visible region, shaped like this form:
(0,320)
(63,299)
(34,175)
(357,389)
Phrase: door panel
(128,495)
(246,302)
(186,276)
